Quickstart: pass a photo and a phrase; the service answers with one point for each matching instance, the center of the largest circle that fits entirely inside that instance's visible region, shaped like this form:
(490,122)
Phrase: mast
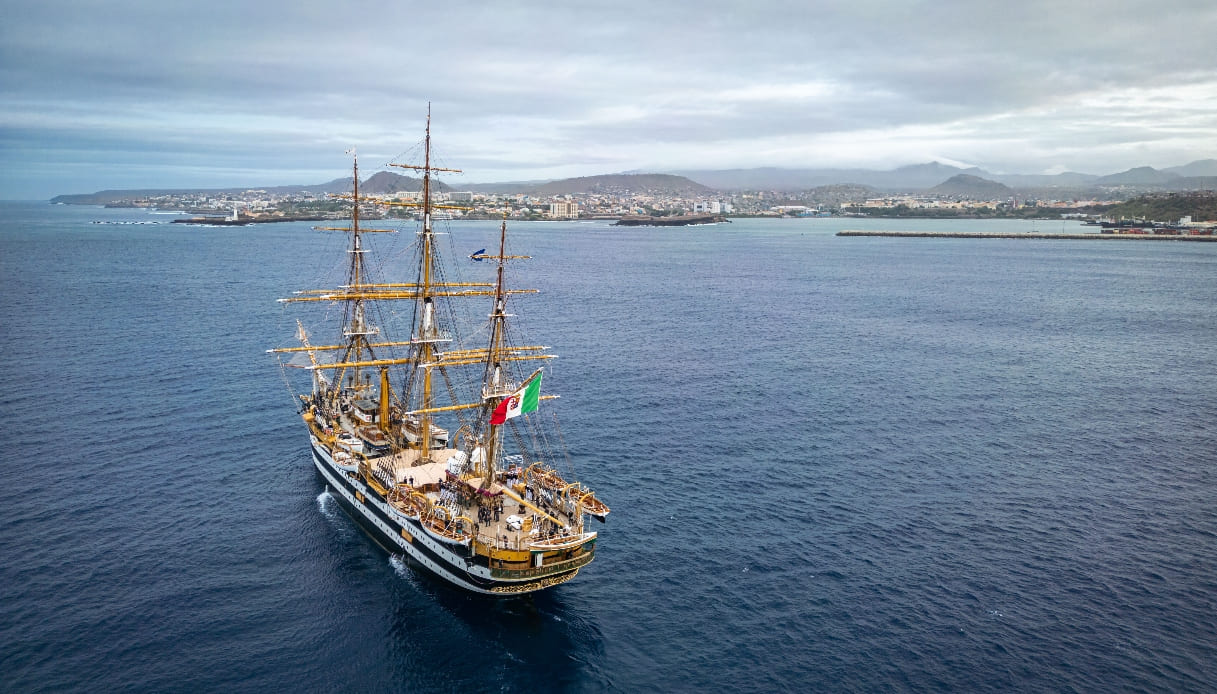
(496,386)
(426,334)
(428,351)
(356,328)
(493,378)
(418,405)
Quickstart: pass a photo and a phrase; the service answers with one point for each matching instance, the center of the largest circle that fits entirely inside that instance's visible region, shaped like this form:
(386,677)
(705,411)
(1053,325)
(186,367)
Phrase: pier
(1029,235)
(676,220)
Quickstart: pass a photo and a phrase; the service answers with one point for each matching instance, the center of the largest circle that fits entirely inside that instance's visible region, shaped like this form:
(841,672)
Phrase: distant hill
(1197,175)
(905,178)
(661,184)
(766,178)
(1193,183)
(379,183)
(912,178)
(1203,167)
(105,197)
(972,187)
(920,177)
(1068,179)
(384,182)
(1140,176)
(647,183)
(1168,207)
(837,194)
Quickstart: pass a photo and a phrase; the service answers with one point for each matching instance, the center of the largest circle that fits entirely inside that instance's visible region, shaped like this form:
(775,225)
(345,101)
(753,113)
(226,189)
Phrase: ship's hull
(452,562)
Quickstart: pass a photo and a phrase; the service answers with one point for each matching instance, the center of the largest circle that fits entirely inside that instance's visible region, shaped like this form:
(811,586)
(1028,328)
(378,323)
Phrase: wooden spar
(392,295)
(385,390)
(334,347)
(465,353)
(445,408)
(362,364)
(396,203)
(393,285)
(482,359)
(469,406)
(362,231)
(413,285)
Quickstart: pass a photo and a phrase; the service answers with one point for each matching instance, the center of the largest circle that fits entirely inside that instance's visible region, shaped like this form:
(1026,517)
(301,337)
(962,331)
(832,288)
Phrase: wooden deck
(494,532)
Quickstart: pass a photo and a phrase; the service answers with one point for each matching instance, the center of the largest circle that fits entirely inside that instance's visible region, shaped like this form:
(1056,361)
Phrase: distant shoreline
(228,222)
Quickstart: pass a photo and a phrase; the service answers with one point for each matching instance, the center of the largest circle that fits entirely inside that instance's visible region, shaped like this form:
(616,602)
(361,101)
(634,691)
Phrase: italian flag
(520,402)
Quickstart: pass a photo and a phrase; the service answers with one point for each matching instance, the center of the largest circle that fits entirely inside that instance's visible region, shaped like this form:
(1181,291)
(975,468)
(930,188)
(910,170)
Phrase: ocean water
(844,464)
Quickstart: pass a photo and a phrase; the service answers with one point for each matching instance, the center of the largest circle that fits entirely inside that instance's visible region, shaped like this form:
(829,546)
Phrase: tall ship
(439,445)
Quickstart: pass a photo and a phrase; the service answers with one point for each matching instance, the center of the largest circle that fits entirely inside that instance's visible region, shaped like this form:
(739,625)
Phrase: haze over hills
(378,184)
(626,183)
(384,182)
(925,176)
(975,187)
(914,177)
(1197,175)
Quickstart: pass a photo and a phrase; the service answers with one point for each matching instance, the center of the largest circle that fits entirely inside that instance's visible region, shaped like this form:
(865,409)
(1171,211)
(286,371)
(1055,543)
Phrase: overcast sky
(123,94)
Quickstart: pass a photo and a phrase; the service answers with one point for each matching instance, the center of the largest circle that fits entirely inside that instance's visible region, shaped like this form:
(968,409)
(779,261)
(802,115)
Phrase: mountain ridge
(1196,175)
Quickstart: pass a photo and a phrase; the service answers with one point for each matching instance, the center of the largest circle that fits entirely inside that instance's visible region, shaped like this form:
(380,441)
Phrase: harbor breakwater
(1028,235)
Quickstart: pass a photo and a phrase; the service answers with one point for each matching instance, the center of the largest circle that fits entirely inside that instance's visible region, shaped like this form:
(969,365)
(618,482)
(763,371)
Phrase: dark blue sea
(834,464)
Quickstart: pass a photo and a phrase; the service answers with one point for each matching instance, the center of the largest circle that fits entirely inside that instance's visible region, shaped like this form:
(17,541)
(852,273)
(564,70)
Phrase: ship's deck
(499,502)
(405,467)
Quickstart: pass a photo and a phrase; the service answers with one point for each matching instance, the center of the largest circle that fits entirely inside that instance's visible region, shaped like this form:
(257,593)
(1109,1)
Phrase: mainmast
(426,335)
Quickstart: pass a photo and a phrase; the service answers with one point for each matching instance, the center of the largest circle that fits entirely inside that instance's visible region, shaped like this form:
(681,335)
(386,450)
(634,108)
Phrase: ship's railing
(536,543)
(511,542)
(500,390)
(533,572)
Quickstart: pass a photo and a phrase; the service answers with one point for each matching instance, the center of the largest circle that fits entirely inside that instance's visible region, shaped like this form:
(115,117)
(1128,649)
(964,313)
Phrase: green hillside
(1168,207)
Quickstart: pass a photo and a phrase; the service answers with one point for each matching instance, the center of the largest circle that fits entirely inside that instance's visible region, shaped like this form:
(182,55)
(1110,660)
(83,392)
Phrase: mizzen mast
(496,386)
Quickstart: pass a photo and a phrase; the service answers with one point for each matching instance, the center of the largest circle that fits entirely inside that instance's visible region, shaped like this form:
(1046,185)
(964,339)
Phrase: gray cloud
(531,90)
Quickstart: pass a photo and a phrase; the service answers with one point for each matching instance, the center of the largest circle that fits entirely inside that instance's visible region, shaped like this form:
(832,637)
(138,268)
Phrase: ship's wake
(325,504)
(401,567)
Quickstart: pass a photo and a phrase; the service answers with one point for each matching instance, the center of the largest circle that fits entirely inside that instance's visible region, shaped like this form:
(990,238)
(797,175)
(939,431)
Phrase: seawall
(1028,235)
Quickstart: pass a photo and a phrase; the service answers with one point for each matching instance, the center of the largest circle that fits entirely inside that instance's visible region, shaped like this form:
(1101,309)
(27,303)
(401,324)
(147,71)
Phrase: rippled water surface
(834,464)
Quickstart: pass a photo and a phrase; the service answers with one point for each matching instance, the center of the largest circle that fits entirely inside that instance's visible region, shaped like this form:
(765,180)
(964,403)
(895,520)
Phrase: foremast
(357,349)
(357,295)
(354,323)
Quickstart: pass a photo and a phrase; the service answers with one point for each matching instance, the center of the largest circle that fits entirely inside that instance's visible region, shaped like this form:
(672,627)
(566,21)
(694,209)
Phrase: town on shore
(635,198)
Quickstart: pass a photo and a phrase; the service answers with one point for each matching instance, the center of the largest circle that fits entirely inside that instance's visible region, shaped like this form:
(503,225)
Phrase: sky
(160,94)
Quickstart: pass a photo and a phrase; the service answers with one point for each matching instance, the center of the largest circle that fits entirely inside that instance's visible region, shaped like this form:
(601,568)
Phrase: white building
(712,207)
(564,210)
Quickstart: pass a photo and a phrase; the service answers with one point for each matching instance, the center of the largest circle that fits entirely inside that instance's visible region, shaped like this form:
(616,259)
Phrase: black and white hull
(454,562)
